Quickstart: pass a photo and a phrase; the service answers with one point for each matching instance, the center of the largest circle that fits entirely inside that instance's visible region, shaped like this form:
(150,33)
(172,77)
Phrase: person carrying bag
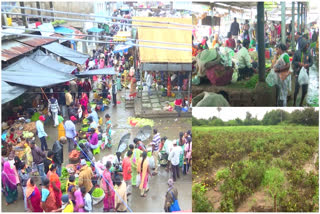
(171,203)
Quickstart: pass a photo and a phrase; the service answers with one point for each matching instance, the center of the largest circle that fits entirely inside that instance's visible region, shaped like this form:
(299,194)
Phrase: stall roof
(63,30)
(123,47)
(31,73)
(95,30)
(10,92)
(166,67)
(157,55)
(66,53)
(35,42)
(11,49)
(40,57)
(103,71)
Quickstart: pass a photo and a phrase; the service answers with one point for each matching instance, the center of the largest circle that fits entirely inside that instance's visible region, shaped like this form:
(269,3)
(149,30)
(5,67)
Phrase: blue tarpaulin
(123,47)
(10,92)
(31,73)
(46,60)
(103,71)
(63,30)
(95,30)
(67,53)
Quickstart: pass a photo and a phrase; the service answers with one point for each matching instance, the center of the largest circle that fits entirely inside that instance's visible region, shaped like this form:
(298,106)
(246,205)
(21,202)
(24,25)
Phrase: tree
(274,117)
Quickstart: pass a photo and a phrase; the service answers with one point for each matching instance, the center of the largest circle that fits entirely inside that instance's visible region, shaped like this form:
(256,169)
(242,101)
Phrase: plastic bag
(303,77)
(138,180)
(272,78)
(151,162)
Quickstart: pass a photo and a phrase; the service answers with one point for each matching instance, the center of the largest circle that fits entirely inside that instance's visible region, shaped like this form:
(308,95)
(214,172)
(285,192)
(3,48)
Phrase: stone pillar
(283,22)
(260,39)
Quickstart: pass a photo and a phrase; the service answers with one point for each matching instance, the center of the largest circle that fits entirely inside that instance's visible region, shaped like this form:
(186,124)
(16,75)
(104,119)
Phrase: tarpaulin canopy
(157,55)
(123,47)
(40,57)
(10,92)
(95,30)
(67,53)
(103,71)
(31,73)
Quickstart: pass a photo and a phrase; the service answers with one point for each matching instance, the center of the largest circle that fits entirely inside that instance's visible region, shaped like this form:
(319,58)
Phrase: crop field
(255,168)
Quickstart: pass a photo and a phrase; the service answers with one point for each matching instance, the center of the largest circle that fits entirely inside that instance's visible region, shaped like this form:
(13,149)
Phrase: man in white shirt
(174,158)
(149,81)
(87,200)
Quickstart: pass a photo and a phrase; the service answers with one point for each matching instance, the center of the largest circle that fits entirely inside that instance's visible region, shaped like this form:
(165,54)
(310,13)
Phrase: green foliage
(273,180)
(200,202)
(251,157)
(306,116)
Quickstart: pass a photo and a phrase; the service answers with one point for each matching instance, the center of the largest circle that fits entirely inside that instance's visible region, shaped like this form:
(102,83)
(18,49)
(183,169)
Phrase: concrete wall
(76,7)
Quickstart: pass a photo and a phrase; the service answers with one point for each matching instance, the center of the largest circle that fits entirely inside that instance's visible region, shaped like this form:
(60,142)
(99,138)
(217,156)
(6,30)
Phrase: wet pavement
(154,202)
(313,89)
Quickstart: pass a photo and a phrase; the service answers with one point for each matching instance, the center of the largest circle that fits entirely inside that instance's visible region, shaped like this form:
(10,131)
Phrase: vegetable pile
(140,122)
(27,134)
(98,192)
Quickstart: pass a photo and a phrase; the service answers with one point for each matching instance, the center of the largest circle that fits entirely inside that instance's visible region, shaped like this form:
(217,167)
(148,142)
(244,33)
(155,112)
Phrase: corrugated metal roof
(35,42)
(11,49)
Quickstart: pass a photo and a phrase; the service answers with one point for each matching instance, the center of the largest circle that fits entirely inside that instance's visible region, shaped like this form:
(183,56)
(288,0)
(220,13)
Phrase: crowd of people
(116,177)
(242,38)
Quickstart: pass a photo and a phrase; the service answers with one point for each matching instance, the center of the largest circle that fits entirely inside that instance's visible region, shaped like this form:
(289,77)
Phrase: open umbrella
(124,142)
(144,133)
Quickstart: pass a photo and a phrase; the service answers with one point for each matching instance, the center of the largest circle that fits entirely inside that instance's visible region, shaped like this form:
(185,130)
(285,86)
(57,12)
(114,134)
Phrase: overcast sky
(230,113)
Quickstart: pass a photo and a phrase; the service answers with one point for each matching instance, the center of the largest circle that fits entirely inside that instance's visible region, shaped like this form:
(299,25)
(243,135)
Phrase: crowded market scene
(231,68)
(96,112)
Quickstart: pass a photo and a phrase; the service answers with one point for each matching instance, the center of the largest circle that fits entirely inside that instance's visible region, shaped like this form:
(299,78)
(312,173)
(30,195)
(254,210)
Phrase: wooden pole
(292,28)
(39,12)
(44,94)
(283,22)
(260,39)
(298,18)
(24,18)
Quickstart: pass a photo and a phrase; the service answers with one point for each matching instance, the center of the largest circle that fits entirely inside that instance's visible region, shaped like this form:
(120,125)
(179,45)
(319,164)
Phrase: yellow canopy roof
(156,55)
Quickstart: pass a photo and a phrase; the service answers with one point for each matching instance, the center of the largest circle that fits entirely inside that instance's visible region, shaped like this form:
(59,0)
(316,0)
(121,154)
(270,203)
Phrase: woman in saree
(48,200)
(84,103)
(133,87)
(108,201)
(108,131)
(144,171)
(9,184)
(55,185)
(79,201)
(61,130)
(181,143)
(134,164)
(281,68)
(33,196)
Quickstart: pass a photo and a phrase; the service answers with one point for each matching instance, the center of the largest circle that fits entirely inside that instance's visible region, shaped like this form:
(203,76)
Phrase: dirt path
(310,166)
(258,201)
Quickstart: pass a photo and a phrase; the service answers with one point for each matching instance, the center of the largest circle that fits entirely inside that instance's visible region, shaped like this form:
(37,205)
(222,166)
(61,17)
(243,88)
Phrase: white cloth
(174,155)
(88,202)
(149,80)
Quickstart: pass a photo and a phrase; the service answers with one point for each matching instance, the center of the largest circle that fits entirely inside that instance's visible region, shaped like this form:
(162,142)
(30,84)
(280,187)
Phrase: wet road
(154,202)
(313,89)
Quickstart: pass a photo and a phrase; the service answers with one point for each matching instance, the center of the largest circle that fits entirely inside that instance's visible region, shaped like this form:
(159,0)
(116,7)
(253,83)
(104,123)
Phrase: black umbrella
(124,142)
(144,133)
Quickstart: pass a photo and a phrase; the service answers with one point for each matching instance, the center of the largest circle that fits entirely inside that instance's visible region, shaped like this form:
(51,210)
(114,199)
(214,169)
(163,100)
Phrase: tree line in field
(306,117)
